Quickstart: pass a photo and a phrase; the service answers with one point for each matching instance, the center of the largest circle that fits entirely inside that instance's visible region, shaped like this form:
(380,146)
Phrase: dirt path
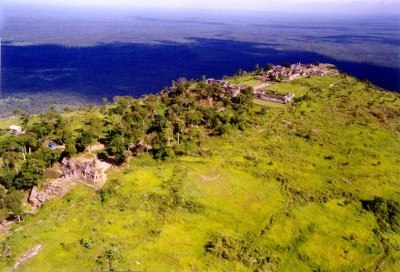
(261,86)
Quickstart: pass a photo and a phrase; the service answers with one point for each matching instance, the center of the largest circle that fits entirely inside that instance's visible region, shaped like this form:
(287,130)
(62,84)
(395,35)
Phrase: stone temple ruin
(72,171)
(276,74)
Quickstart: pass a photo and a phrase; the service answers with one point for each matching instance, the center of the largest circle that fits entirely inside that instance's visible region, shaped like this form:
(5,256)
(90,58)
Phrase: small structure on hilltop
(52,145)
(15,130)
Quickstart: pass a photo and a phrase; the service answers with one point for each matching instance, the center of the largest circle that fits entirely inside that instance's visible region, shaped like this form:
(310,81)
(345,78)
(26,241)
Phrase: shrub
(386,211)
(232,249)
(86,243)
(193,206)
(112,255)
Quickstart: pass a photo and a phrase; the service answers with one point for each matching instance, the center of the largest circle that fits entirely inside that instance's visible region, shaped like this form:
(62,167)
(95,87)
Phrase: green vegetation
(218,183)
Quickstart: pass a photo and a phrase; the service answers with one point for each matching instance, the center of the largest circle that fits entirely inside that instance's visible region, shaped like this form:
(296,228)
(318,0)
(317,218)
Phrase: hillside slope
(308,186)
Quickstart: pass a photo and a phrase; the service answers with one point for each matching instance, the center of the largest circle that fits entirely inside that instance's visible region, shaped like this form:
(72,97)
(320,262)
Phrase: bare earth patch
(27,256)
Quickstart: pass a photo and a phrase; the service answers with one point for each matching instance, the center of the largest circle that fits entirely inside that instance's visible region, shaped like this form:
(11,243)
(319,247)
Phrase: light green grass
(248,80)
(269,103)
(293,179)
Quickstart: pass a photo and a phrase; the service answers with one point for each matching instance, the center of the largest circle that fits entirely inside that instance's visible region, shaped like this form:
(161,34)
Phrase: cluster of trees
(177,121)
(25,157)
(174,122)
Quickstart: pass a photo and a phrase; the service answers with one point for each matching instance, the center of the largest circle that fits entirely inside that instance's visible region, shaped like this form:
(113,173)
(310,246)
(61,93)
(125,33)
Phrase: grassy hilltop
(308,186)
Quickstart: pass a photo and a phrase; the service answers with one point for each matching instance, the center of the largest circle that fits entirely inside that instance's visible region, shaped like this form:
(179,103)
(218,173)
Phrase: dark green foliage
(25,119)
(102,155)
(86,243)
(175,122)
(12,202)
(106,193)
(31,171)
(85,139)
(268,67)
(46,155)
(303,134)
(117,149)
(193,206)
(70,148)
(112,255)
(7,178)
(242,250)
(386,211)
(109,259)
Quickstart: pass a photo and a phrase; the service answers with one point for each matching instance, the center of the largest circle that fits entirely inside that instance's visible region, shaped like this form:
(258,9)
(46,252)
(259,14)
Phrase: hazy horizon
(337,8)
(106,51)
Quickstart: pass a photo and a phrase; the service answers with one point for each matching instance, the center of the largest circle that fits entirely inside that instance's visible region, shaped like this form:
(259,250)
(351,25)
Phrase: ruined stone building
(286,98)
(71,171)
(74,170)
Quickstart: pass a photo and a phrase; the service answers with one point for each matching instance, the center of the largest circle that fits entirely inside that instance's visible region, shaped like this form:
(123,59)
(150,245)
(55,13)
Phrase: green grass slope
(294,191)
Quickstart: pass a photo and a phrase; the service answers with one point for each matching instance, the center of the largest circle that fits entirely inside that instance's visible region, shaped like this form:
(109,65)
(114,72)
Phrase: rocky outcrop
(57,188)
(27,256)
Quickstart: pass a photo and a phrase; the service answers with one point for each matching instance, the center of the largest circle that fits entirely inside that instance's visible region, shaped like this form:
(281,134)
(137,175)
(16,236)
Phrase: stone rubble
(71,172)
(27,256)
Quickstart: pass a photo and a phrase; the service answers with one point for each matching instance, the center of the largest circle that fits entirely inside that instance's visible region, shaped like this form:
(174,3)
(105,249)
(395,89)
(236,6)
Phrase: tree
(269,67)
(151,104)
(13,201)
(70,148)
(286,64)
(7,179)
(84,140)
(31,171)
(118,147)
(95,124)
(158,124)
(48,156)
(160,147)
(24,118)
